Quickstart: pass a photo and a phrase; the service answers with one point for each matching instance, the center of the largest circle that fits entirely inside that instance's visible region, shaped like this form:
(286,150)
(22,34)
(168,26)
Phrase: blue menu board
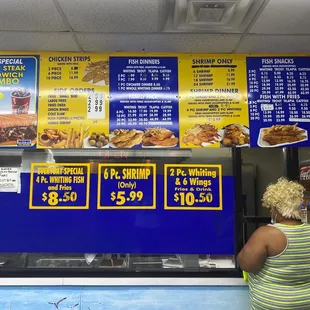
(143,98)
(278,97)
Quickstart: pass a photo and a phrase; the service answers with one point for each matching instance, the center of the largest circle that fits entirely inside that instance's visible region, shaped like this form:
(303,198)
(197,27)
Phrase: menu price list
(214,83)
(214,88)
(279,94)
(62,69)
(144,93)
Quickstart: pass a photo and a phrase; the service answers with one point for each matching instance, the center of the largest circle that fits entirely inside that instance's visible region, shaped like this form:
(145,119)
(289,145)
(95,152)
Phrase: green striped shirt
(284,280)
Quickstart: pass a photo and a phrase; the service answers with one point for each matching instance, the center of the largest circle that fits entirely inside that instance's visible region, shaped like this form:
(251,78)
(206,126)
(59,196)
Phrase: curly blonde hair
(286,197)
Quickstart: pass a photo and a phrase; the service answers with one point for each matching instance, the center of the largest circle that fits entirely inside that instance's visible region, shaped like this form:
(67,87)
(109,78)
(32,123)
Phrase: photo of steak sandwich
(14,127)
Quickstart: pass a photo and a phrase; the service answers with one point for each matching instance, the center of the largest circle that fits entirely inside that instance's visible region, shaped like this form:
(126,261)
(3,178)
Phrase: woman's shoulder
(270,233)
(269,229)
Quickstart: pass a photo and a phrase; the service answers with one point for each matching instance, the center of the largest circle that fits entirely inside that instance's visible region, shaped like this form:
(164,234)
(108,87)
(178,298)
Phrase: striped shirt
(284,280)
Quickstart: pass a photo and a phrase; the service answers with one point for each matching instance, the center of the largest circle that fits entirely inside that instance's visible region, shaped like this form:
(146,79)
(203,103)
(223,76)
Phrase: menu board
(144,102)
(213,102)
(19,76)
(96,101)
(73,102)
(279,94)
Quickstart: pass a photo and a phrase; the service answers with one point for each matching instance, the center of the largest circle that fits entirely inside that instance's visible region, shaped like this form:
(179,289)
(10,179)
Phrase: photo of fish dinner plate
(281,135)
(125,138)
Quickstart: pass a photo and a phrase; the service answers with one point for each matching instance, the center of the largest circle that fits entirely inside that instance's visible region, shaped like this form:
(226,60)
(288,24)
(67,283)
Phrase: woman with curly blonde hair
(277,257)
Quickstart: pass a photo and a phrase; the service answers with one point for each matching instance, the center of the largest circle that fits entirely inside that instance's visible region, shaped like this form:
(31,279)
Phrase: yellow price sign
(126,186)
(193,187)
(189,199)
(59,186)
(53,198)
(120,197)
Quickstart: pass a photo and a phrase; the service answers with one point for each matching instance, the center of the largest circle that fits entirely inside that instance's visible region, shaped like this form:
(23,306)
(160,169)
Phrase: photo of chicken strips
(201,135)
(159,137)
(282,134)
(236,135)
(124,138)
(97,72)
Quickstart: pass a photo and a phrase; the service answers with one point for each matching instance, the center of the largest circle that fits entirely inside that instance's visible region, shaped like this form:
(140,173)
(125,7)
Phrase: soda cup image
(20,101)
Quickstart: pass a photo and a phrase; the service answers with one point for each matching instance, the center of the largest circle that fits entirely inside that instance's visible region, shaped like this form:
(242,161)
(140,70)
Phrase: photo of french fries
(63,139)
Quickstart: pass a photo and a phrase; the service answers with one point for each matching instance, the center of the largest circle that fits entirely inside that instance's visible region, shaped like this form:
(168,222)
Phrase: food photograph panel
(19,99)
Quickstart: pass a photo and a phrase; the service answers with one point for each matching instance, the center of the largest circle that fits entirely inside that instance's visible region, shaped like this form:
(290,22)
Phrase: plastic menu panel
(279,94)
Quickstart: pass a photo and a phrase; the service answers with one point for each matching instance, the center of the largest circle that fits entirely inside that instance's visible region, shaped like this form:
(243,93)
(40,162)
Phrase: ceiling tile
(111,15)
(187,43)
(37,41)
(30,15)
(284,17)
(274,44)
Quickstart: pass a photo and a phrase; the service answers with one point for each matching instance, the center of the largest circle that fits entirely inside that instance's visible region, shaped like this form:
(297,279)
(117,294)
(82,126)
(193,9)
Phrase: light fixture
(216,16)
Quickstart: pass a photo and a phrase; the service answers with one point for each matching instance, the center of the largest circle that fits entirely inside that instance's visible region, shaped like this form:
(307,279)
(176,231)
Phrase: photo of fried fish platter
(125,138)
(159,138)
(236,135)
(201,135)
(97,73)
(63,139)
(282,134)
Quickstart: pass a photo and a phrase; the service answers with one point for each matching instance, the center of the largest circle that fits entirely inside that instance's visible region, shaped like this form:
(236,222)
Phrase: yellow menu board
(73,101)
(212,96)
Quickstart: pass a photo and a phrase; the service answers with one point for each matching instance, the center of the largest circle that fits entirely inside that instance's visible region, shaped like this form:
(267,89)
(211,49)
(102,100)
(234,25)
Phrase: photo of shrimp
(236,135)
(201,135)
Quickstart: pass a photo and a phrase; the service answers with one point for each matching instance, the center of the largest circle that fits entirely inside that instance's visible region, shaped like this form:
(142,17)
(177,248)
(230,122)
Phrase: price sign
(59,186)
(53,198)
(127,186)
(95,105)
(193,187)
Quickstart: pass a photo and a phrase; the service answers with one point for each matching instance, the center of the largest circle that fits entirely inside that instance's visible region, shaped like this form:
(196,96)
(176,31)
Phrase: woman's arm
(254,253)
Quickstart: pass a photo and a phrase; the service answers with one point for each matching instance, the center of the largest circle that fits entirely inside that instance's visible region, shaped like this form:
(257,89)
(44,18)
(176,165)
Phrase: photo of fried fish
(159,137)
(201,135)
(236,135)
(124,138)
(96,72)
(283,134)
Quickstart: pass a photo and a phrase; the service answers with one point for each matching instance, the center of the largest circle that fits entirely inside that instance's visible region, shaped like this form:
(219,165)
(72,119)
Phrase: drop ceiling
(273,26)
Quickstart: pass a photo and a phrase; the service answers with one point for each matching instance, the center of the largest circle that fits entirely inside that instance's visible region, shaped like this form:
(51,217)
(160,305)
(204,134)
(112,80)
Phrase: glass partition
(146,262)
